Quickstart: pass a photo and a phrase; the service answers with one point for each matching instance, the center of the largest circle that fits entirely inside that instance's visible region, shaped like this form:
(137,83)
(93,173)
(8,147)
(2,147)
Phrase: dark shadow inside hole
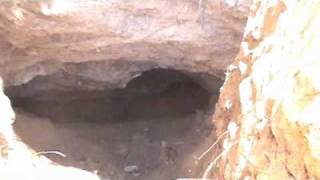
(157,93)
(158,123)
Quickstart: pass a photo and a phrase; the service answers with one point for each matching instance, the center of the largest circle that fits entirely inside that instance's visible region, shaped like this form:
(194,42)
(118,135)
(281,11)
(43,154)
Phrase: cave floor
(140,149)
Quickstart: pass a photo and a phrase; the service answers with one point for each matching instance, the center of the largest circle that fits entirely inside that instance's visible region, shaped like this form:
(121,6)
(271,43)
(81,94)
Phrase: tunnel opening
(154,128)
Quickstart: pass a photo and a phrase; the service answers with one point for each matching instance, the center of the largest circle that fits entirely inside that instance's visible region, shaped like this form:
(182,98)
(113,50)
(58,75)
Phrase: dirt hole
(152,129)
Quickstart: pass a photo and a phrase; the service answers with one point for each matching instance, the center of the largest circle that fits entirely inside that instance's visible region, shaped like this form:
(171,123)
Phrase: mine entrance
(154,128)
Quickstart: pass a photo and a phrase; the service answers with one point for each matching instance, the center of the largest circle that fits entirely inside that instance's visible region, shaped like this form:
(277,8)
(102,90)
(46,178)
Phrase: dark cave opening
(158,123)
(154,94)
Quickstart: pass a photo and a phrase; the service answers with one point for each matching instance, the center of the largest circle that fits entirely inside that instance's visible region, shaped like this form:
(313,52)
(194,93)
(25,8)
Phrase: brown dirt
(145,137)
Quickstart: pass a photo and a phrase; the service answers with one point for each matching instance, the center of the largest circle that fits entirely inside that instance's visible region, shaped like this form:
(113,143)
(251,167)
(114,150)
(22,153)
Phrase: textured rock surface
(271,96)
(109,42)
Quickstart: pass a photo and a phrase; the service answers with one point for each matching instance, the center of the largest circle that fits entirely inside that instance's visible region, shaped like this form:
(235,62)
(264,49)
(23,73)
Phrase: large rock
(270,102)
(109,42)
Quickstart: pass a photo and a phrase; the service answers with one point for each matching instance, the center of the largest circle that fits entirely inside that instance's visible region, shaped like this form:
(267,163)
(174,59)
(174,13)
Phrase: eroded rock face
(270,98)
(110,42)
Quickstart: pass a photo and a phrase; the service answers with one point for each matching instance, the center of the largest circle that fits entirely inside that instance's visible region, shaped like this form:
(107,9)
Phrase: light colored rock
(275,100)
(132,169)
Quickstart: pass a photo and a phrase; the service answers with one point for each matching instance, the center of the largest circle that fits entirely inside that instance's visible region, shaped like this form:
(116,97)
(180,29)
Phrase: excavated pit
(154,128)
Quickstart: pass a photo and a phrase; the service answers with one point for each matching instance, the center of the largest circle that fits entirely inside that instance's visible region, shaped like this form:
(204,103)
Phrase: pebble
(132,169)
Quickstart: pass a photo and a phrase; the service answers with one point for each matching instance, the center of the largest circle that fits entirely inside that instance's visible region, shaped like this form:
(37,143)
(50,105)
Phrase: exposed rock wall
(110,42)
(269,103)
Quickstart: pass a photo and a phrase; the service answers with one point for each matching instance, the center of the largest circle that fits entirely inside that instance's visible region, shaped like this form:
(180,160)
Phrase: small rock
(131,169)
